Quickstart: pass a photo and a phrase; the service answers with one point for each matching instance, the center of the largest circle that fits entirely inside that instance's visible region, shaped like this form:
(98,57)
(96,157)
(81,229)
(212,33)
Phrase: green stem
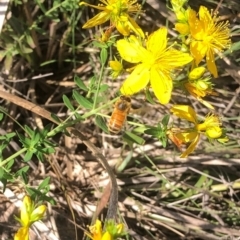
(13,156)
(62,126)
(98,86)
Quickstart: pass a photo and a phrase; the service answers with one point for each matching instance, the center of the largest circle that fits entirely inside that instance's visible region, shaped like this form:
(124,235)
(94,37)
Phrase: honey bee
(119,114)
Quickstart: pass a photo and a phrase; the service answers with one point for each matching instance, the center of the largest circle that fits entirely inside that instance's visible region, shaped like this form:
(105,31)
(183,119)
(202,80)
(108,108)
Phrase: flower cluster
(207,36)
(28,215)
(155,61)
(117,12)
(112,231)
(210,127)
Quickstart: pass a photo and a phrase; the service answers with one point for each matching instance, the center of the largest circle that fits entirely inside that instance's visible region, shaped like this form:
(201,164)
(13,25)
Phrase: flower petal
(26,211)
(100,18)
(184,112)
(191,147)
(173,58)
(214,132)
(187,137)
(161,84)
(106,236)
(211,63)
(196,27)
(157,41)
(131,50)
(22,234)
(38,213)
(205,17)
(136,81)
(96,230)
(122,27)
(198,50)
(182,28)
(134,27)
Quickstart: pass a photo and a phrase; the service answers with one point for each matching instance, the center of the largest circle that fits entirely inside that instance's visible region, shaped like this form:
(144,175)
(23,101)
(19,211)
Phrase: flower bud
(201,85)
(196,73)
(38,213)
(182,28)
(214,132)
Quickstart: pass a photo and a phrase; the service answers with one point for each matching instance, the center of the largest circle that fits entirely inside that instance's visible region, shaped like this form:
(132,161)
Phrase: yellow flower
(208,36)
(96,230)
(196,73)
(117,11)
(117,68)
(210,127)
(154,64)
(25,212)
(107,236)
(22,234)
(28,215)
(210,121)
(112,231)
(182,25)
(199,87)
(38,213)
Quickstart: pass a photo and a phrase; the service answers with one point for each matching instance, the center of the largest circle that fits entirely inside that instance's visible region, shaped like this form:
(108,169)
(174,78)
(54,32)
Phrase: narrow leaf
(80,83)
(68,103)
(56,118)
(101,123)
(103,55)
(131,137)
(82,100)
(28,156)
(44,183)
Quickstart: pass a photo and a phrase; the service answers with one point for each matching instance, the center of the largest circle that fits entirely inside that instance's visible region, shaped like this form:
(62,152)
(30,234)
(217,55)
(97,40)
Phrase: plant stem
(13,156)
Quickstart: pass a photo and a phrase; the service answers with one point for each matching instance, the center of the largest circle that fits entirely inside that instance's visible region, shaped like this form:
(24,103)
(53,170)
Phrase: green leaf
(123,164)
(103,55)
(3,179)
(99,120)
(92,83)
(47,150)
(36,194)
(7,136)
(35,139)
(78,116)
(44,183)
(28,156)
(40,156)
(153,131)
(56,118)
(1,116)
(80,83)
(23,169)
(100,45)
(9,164)
(133,138)
(102,88)
(165,120)
(141,129)
(30,40)
(10,135)
(68,103)
(149,96)
(29,131)
(82,100)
